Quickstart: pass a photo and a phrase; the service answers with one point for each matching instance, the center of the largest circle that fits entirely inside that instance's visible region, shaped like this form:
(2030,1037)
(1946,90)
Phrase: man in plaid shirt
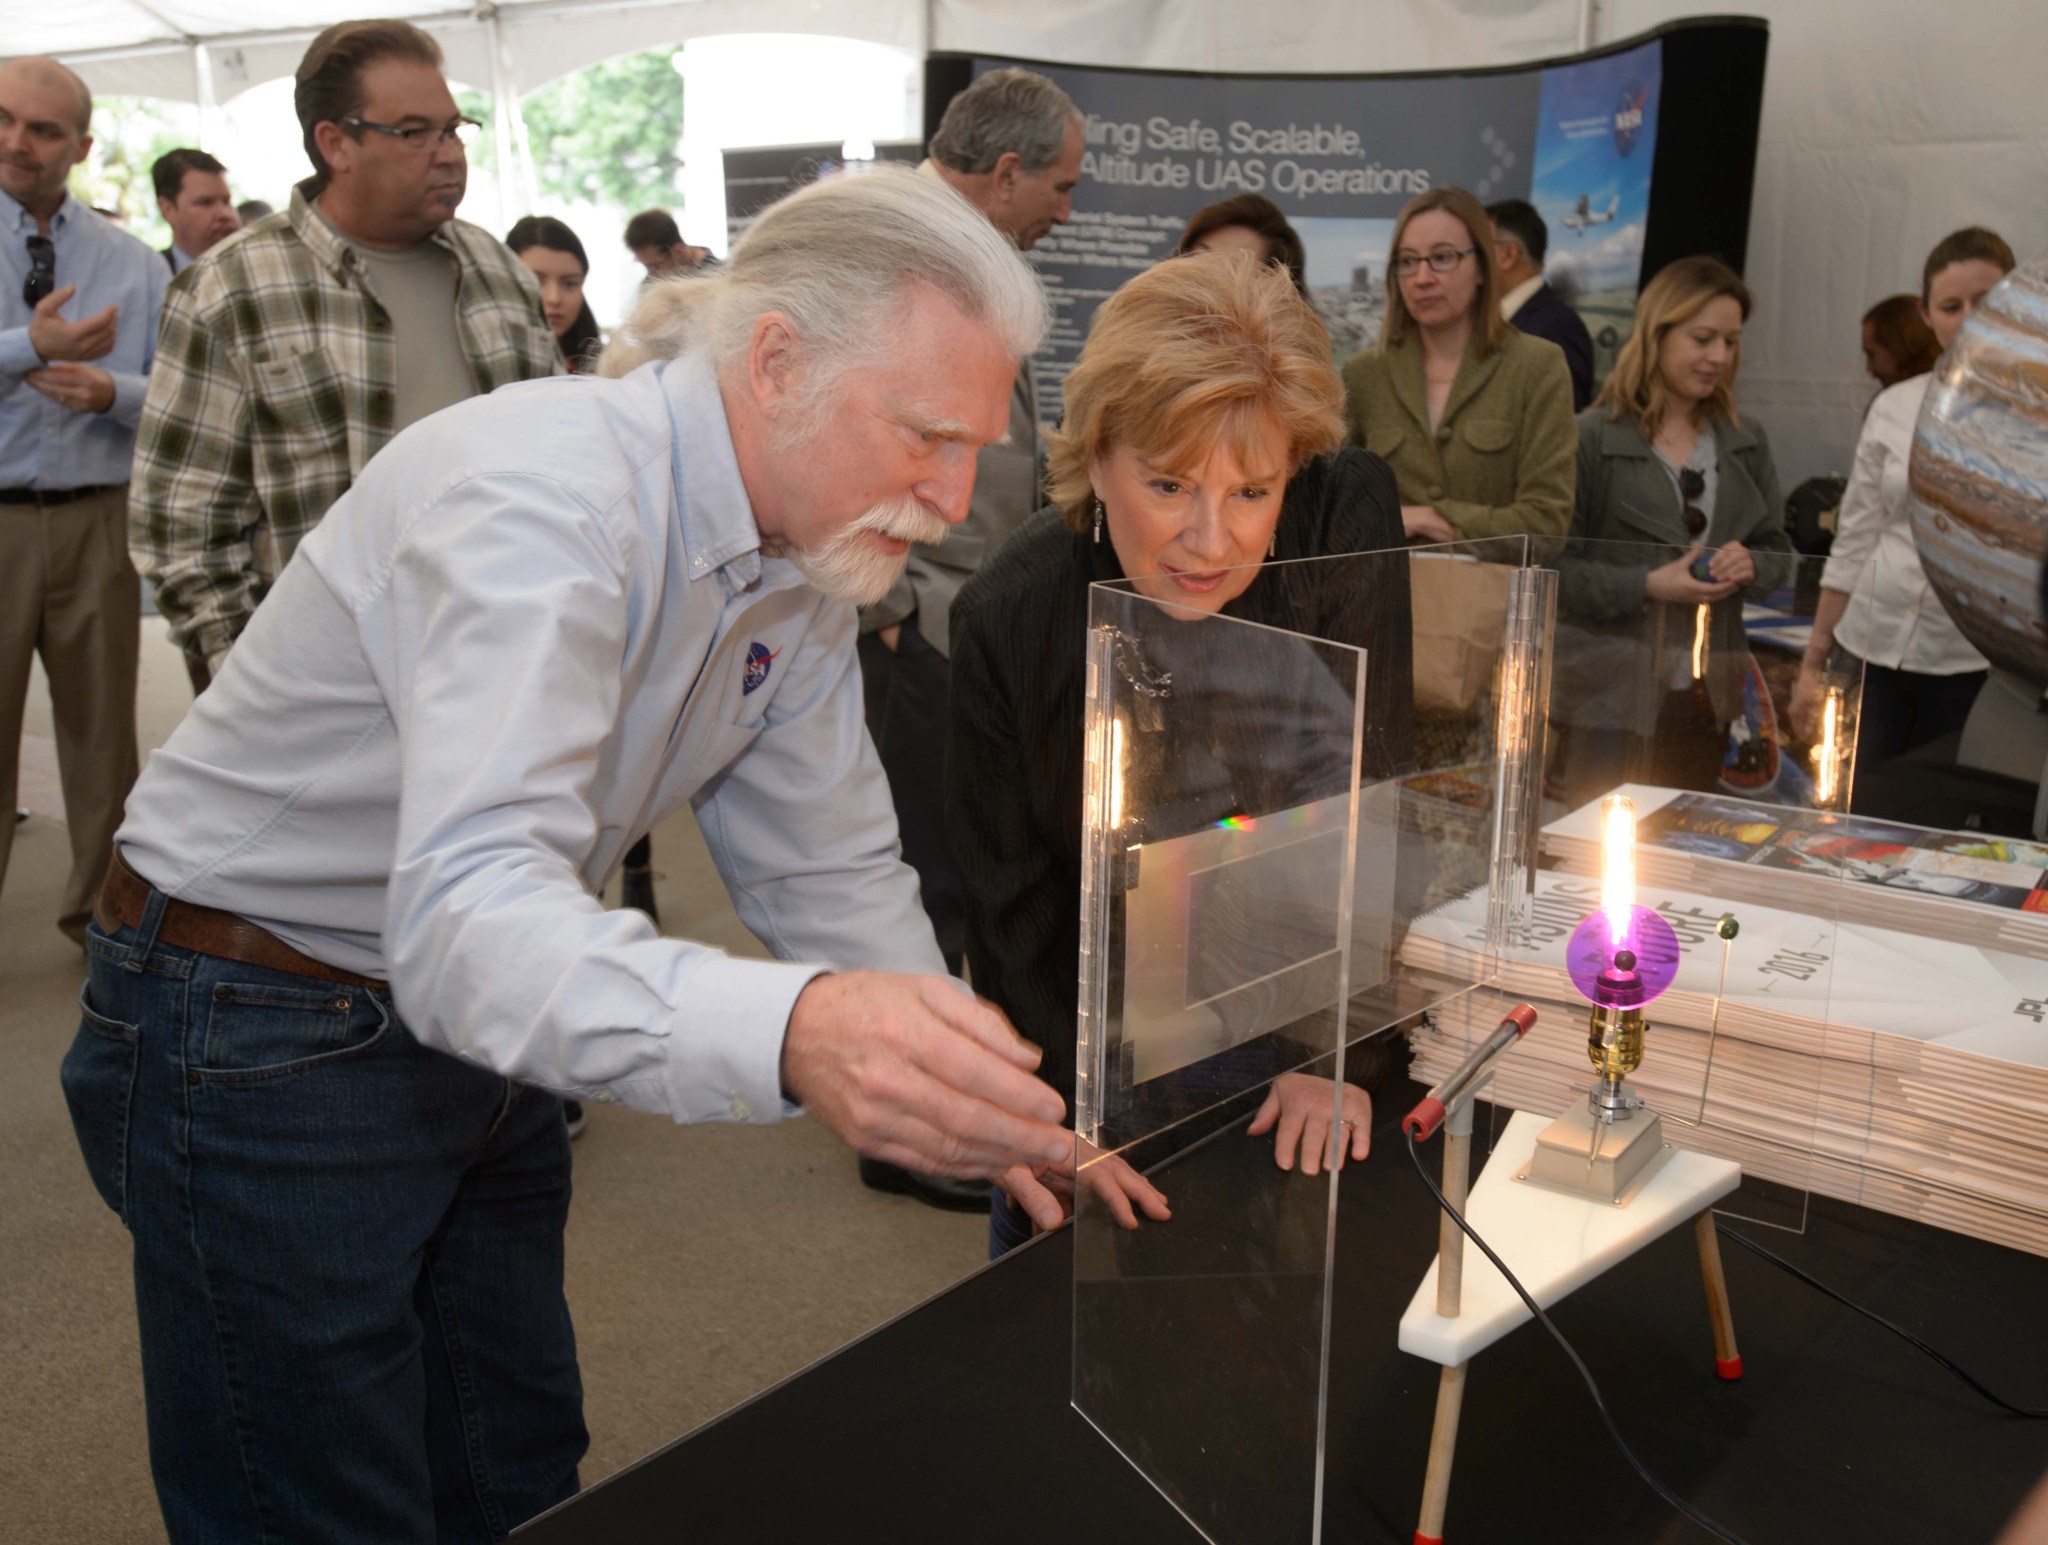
(294,351)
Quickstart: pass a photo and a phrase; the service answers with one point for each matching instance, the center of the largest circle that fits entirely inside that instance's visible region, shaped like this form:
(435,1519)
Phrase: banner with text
(1340,155)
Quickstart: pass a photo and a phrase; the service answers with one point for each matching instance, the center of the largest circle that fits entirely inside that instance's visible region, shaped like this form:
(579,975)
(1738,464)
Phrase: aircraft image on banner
(1583,214)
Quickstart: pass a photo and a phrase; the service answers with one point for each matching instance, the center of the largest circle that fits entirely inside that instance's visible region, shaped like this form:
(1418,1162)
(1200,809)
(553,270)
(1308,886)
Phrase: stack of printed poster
(1965,886)
(1902,1067)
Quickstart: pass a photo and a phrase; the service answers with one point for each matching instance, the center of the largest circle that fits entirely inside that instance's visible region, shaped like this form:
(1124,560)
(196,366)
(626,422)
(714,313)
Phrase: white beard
(852,568)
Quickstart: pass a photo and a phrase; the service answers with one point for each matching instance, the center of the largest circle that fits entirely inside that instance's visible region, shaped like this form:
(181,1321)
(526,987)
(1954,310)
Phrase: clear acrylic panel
(1268,812)
(1740,799)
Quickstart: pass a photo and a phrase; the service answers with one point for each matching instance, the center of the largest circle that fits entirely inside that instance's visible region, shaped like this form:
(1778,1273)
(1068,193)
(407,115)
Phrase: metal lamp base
(1604,1161)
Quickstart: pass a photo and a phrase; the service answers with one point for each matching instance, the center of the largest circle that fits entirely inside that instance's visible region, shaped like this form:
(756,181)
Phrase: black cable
(1592,1388)
(1870,1314)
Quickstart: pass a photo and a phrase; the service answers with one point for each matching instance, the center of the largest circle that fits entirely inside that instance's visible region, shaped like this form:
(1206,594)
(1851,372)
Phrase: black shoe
(636,889)
(932,1190)
(572,1112)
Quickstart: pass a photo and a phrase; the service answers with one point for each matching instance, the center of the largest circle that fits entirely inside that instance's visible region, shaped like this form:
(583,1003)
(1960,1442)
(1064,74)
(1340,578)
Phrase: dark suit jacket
(1545,315)
(1014,759)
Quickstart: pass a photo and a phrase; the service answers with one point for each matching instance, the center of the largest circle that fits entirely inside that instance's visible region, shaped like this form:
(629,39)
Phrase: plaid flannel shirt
(276,380)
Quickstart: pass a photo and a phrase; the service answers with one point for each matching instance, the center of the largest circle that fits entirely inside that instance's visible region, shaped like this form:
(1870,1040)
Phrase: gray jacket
(1006,494)
(1613,641)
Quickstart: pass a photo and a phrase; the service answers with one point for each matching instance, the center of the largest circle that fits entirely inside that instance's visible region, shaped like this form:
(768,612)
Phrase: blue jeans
(348,1254)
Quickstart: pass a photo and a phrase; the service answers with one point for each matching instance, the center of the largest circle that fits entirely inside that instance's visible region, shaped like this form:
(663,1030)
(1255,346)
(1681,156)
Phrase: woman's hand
(1673,581)
(1300,1106)
(1046,1192)
(1808,694)
(1422,524)
(1732,564)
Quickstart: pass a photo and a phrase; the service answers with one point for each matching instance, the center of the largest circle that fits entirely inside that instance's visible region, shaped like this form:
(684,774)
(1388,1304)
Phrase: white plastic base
(1552,1242)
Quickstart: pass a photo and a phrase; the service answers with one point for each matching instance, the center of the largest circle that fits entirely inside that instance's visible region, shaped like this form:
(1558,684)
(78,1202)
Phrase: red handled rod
(1421,1123)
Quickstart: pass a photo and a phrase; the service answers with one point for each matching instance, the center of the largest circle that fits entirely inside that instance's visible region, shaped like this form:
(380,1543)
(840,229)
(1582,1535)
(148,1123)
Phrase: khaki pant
(69,594)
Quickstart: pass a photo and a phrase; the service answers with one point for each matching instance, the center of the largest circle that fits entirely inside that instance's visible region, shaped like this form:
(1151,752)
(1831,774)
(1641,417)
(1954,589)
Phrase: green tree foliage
(607,135)
(128,134)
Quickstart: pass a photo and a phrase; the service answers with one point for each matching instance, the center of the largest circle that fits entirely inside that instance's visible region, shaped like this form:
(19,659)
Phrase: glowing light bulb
(1618,865)
(1828,774)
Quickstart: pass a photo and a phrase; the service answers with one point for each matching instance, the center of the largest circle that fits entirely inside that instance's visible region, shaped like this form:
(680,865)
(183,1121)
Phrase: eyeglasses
(421,137)
(1691,484)
(1442,260)
(42,271)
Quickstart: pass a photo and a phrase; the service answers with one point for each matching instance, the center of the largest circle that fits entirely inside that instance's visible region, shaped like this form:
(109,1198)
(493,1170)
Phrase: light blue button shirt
(44,444)
(539,622)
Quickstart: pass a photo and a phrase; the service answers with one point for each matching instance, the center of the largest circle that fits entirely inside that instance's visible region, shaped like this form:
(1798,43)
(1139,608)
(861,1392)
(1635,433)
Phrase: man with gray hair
(1010,144)
(351,954)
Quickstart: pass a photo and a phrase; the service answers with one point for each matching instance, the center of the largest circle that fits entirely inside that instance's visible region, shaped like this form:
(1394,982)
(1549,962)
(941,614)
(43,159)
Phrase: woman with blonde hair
(1678,512)
(1474,416)
(1199,454)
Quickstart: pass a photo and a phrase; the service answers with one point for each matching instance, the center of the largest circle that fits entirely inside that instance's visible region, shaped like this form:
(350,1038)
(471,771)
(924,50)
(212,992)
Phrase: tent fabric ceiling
(122,46)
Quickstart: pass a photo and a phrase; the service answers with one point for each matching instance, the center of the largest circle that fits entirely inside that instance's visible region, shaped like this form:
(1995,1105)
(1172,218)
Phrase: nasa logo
(1628,117)
(756,669)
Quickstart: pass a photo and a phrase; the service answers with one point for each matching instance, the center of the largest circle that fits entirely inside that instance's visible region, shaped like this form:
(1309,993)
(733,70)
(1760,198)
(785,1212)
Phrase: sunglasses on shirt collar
(1691,484)
(42,271)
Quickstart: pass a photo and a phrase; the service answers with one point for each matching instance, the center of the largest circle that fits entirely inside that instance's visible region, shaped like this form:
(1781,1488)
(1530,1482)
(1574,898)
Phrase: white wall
(1329,36)
(1886,125)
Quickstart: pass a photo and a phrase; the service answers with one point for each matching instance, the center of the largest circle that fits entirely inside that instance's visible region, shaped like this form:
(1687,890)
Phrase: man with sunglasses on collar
(78,311)
(293,354)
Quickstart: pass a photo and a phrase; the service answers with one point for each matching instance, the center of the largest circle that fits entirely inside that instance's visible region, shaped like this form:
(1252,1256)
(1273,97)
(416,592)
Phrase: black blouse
(1014,756)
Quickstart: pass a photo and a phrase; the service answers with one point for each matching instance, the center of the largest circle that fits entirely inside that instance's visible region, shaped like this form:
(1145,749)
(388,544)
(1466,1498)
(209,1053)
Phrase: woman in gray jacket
(1677,518)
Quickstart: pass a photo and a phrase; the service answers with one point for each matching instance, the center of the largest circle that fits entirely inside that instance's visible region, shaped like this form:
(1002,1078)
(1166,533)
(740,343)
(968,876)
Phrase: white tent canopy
(170,48)
(1885,124)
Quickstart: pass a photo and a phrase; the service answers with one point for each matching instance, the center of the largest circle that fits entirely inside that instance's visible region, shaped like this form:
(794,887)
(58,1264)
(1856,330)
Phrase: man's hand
(913,1071)
(81,388)
(1422,524)
(1046,1191)
(1300,1105)
(53,338)
(1673,581)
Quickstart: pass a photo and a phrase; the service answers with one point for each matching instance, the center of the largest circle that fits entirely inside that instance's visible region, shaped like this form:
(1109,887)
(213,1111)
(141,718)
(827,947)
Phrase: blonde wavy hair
(1674,297)
(1195,353)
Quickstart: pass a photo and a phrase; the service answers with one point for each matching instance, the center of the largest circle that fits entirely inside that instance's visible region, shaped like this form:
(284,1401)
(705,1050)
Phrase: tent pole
(504,105)
(202,92)
(1589,23)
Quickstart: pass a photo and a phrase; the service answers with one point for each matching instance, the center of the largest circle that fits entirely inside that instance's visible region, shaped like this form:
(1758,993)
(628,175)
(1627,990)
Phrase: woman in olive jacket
(1677,519)
(1474,417)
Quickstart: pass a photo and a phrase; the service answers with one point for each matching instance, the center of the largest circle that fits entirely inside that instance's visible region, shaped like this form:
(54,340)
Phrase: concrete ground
(704,1262)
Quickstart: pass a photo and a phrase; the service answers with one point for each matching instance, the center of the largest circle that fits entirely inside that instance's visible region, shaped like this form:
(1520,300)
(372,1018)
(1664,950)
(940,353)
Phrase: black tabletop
(953,1423)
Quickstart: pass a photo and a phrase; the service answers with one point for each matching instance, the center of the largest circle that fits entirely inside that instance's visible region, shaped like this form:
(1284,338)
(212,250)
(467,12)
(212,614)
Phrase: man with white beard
(350,956)
(1010,144)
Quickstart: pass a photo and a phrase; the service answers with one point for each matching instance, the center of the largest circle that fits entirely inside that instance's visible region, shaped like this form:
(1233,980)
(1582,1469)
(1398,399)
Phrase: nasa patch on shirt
(755,671)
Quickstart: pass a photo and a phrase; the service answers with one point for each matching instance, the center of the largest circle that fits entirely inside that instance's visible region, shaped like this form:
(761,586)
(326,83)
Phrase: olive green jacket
(1500,463)
(1616,650)
(1626,497)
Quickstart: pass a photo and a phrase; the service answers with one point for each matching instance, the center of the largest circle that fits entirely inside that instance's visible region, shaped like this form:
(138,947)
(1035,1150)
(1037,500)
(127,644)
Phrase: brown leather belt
(49,496)
(209,931)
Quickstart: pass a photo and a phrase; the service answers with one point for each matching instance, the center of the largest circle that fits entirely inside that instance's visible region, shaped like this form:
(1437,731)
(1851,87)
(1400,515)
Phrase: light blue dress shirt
(43,444)
(539,622)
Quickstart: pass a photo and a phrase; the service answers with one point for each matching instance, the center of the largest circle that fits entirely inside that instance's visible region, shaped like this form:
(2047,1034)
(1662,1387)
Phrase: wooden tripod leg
(1443,1443)
(1727,1360)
